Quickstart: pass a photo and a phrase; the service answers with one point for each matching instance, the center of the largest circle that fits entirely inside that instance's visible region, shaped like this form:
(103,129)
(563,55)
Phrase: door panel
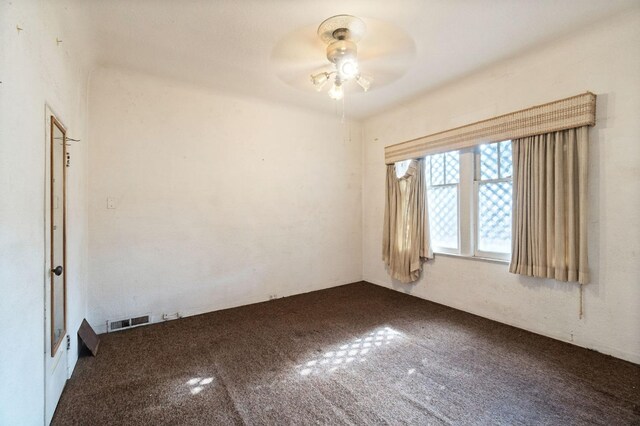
(58,290)
(55,300)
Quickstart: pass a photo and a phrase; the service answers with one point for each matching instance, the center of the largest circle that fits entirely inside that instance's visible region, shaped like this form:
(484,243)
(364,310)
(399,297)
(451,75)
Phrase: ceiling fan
(341,33)
(351,46)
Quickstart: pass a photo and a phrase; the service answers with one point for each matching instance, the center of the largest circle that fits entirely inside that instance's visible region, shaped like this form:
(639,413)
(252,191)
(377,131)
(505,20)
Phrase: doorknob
(57,270)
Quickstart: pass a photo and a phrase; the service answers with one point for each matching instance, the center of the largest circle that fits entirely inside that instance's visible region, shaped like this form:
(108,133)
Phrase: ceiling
(227,45)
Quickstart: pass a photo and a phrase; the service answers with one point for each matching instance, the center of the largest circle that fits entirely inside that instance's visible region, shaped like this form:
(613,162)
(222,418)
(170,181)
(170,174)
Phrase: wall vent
(116,325)
(139,320)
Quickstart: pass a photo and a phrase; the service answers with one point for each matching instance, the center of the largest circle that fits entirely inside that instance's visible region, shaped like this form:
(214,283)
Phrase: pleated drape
(405,240)
(550,206)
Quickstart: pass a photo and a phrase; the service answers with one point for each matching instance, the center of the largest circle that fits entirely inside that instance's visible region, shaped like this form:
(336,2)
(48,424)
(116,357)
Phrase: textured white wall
(223,201)
(605,60)
(35,71)
(220,201)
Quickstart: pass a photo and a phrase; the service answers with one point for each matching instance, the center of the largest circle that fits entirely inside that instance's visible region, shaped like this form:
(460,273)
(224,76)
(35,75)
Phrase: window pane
(437,169)
(494,217)
(489,161)
(506,164)
(443,216)
(452,168)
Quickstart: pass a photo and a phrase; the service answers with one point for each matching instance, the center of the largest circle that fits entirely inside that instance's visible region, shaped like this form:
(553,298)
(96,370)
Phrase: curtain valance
(563,114)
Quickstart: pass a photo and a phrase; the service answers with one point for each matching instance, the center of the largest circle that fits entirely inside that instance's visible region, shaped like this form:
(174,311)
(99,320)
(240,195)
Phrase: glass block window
(443,179)
(493,198)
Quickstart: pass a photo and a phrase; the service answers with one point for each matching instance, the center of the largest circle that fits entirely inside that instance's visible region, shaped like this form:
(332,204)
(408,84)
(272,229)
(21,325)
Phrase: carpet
(355,354)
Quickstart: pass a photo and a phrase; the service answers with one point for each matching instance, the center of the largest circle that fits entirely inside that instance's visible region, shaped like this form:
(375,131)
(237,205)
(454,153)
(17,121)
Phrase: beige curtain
(406,241)
(550,206)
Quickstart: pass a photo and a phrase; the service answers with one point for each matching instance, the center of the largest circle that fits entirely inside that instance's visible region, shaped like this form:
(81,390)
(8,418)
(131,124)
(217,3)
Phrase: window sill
(478,258)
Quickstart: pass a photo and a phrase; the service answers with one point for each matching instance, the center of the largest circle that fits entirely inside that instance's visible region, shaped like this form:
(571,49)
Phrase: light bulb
(336,92)
(348,68)
(319,80)
(364,82)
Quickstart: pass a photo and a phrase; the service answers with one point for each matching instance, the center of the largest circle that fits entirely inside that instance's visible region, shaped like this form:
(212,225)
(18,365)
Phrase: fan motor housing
(341,49)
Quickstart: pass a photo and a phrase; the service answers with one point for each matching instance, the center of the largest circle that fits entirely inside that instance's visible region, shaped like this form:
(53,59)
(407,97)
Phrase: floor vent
(127,323)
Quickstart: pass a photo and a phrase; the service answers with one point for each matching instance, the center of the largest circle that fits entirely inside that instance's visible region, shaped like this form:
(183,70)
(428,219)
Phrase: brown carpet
(356,354)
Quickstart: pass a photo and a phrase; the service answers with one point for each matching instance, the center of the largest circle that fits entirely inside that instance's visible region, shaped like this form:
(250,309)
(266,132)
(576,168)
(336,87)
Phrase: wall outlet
(111,203)
(169,317)
(273,296)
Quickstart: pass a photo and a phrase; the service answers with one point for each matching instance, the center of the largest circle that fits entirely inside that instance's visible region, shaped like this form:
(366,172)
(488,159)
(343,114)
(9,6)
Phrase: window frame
(476,220)
(447,250)
(468,187)
(477,181)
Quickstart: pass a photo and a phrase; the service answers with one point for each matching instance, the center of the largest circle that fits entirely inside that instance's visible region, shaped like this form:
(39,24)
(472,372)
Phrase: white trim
(468,210)
(583,341)
(467,207)
(480,258)
(449,250)
(48,404)
(476,252)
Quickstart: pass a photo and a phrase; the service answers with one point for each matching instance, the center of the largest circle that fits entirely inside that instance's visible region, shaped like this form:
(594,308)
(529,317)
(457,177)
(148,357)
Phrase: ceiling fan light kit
(336,92)
(341,33)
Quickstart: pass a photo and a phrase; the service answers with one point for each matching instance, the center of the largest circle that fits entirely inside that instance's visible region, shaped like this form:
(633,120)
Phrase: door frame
(56,123)
(55,363)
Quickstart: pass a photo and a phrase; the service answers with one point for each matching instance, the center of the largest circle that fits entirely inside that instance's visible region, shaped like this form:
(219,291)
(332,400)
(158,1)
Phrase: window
(443,180)
(493,199)
(469,196)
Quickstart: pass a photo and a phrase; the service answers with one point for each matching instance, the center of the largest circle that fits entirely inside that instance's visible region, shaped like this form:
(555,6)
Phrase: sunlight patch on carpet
(198,384)
(348,352)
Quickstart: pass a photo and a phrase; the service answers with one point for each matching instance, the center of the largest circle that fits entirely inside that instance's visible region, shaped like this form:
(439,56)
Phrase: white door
(56,371)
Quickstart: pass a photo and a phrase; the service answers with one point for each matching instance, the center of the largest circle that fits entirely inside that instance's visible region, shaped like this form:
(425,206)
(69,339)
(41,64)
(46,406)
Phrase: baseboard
(594,346)
(157,317)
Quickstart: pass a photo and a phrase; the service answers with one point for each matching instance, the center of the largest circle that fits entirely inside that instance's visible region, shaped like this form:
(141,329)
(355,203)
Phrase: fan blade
(299,46)
(385,53)
(299,55)
(384,40)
